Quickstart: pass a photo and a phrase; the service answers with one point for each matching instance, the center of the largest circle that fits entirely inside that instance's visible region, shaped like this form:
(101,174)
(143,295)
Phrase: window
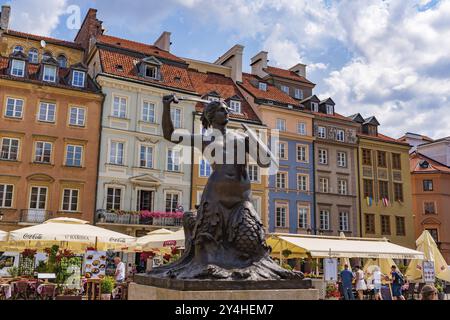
(298,94)
(315,106)
(116,153)
(253,173)
(323,156)
(49,74)
(370,223)
(205,168)
(282,150)
(302,153)
(62,61)
(302,182)
(151,72)
(342,159)
(43,152)
(10,149)
(47,112)
(368,188)
(385,225)
(173,160)
(434,234)
(281,124)
(427,185)
(324,185)
(18,49)
(172,201)
(382,159)
(146,157)
(78,78)
(175,114)
(6,195)
(398,192)
(263,86)
(120,107)
(113,199)
(14,108)
(38,199)
(148,112)
(47,55)
(74,156)
(343,187)
(70,200)
(235,106)
(213,99)
(77,116)
(281,180)
(302,217)
(322,132)
(33,56)
(429,208)
(324,220)
(400,226)
(384,189)
(280,215)
(340,135)
(344,224)
(367,157)
(330,109)
(396,161)
(285,89)
(18,68)
(301,128)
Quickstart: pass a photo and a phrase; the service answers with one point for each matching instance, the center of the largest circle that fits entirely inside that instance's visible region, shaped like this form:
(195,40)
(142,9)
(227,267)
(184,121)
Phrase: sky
(388,58)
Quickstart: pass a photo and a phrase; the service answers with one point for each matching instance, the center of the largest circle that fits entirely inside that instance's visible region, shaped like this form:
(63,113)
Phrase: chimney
(91,28)
(299,69)
(4,18)
(233,59)
(258,63)
(163,41)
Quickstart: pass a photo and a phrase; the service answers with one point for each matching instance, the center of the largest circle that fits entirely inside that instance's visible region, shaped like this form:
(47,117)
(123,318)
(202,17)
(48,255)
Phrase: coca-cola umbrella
(73,234)
(3,236)
(157,240)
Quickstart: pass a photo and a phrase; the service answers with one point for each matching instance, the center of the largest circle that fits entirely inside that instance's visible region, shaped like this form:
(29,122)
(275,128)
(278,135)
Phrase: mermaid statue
(224,239)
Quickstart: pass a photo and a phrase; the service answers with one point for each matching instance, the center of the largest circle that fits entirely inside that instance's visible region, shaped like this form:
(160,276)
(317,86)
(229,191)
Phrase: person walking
(397,283)
(376,279)
(361,285)
(429,292)
(120,270)
(347,280)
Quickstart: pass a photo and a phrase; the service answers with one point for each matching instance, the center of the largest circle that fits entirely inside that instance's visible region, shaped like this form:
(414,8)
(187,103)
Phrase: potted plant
(13,272)
(106,288)
(332,292)
(440,289)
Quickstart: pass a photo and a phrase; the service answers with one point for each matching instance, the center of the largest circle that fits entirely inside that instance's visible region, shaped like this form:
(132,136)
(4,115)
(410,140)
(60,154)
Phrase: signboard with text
(429,275)
(330,267)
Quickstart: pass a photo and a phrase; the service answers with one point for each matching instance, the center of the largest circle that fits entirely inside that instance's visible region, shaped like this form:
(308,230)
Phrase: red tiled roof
(382,137)
(272,93)
(331,116)
(434,166)
(205,83)
(287,74)
(142,48)
(47,39)
(172,76)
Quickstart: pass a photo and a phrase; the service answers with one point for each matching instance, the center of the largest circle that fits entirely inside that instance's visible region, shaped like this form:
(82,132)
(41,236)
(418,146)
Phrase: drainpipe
(98,155)
(314,189)
(359,193)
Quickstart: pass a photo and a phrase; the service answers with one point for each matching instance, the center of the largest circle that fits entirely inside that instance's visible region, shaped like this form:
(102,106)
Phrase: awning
(336,247)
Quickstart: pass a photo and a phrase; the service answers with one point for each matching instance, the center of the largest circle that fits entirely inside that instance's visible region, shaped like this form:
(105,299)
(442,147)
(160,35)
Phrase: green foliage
(439,285)
(107,285)
(402,268)
(286,253)
(13,272)
(286,266)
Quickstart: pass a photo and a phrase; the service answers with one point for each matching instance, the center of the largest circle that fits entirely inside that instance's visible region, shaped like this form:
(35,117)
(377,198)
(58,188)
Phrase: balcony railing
(137,219)
(35,216)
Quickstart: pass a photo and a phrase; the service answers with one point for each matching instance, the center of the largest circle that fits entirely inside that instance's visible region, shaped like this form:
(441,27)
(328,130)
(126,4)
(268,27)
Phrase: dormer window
(49,74)
(33,56)
(315,106)
(285,89)
(78,78)
(18,68)
(47,55)
(151,72)
(235,106)
(17,49)
(263,86)
(330,109)
(298,94)
(213,99)
(62,61)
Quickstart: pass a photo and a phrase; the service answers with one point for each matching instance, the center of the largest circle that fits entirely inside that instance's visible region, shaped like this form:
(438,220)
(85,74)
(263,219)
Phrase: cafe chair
(409,294)
(48,292)
(21,290)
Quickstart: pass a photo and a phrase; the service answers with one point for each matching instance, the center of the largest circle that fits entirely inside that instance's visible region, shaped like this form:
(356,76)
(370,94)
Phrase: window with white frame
(14,108)
(49,74)
(47,55)
(303,217)
(324,220)
(47,112)
(342,159)
(38,199)
(340,135)
(302,182)
(70,200)
(262,86)
(116,153)
(213,99)
(43,152)
(120,107)
(323,156)
(172,201)
(113,198)
(151,72)
(235,106)
(282,150)
(77,116)
(315,106)
(78,78)
(62,61)
(322,132)
(301,128)
(148,112)
(205,168)
(281,124)
(6,195)
(302,153)
(146,157)
(330,109)
(74,156)
(343,187)
(280,215)
(344,224)
(253,173)
(18,68)
(173,160)
(33,56)
(17,49)
(281,180)
(285,89)
(256,201)
(298,94)
(10,149)
(324,185)
(175,114)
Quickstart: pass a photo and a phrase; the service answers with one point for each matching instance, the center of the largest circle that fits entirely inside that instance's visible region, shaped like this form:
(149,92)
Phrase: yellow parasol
(385,266)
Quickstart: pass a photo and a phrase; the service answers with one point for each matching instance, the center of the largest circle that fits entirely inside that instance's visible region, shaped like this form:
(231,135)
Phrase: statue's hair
(208,113)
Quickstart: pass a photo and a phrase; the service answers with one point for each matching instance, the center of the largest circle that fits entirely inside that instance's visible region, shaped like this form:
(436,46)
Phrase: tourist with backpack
(397,283)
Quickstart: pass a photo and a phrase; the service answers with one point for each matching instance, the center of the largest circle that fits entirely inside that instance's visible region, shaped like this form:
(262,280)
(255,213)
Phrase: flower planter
(134,219)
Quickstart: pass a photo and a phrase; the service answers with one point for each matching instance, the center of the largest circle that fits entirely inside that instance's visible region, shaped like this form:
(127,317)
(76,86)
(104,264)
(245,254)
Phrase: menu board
(330,269)
(95,264)
(428,272)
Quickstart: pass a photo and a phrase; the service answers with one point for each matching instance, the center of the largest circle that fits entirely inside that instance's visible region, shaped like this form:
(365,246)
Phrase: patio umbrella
(426,244)
(160,239)
(385,266)
(3,236)
(73,234)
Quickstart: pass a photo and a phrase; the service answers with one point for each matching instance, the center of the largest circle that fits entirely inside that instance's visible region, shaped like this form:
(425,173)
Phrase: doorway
(145,200)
